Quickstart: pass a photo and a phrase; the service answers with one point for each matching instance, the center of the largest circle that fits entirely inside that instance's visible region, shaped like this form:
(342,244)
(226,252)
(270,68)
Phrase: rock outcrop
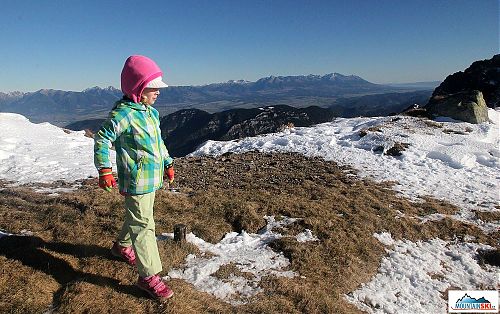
(467,95)
(468,106)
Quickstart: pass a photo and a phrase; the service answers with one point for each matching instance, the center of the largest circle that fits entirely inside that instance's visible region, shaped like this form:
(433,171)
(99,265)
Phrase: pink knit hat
(138,72)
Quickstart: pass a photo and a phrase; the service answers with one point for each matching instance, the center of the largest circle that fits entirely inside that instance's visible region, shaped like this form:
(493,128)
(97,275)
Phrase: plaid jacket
(141,155)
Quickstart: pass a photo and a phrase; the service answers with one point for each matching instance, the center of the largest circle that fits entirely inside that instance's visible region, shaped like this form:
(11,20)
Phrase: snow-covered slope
(42,153)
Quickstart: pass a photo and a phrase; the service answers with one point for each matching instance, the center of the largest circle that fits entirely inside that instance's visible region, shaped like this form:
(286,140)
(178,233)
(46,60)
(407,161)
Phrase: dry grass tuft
(433,124)
(492,216)
(229,270)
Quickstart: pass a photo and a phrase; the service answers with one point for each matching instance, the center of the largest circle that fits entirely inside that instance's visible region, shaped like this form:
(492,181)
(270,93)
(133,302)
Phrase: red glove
(170,174)
(106,179)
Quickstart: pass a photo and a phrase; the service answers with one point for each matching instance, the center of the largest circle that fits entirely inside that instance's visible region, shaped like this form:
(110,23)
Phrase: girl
(142,160)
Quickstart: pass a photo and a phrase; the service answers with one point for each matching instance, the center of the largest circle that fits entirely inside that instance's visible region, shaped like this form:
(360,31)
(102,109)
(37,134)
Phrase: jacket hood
(137,72)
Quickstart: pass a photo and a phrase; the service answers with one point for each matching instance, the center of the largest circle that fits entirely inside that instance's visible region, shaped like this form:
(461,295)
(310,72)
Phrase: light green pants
(139,231)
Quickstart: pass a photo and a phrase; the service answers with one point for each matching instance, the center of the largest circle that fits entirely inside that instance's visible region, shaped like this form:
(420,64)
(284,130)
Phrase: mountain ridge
(63,107)
(329,76)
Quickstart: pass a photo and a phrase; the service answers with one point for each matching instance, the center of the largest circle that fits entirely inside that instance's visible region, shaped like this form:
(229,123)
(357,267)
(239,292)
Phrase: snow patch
(23,232)
(306,236)
(415,275)
(4,234)
(248,252)
(384,237)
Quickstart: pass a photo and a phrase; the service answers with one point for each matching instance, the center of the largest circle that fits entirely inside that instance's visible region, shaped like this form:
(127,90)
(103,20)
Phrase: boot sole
(161,299)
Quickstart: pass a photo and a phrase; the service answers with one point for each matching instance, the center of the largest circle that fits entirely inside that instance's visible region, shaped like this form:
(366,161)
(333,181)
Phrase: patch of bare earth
(65,265)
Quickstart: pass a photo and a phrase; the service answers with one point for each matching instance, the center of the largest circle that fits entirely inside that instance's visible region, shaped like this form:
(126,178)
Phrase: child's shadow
(32,251)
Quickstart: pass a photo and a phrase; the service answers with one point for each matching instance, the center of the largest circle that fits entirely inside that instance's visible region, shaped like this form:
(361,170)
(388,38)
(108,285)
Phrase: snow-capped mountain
(337,77)
(10,96)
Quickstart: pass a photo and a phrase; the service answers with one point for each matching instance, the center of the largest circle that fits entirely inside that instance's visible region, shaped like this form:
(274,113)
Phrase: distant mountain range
(64,107)
(60,107)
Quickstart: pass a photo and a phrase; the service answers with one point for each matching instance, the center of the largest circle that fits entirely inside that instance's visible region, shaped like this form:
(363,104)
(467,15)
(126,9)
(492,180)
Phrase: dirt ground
(62,263)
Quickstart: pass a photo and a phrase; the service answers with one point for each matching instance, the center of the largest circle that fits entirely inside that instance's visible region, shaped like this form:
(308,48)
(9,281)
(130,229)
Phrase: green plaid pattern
(141,155)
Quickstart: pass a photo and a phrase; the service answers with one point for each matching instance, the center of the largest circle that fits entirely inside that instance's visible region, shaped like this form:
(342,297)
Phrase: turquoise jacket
(141,155)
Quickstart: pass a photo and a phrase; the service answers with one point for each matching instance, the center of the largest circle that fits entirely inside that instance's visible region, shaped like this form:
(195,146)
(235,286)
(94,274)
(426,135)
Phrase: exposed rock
(416,111)
(483,76)
(89,133)
(364,131)
(468,106)
(491,257)
(397,149)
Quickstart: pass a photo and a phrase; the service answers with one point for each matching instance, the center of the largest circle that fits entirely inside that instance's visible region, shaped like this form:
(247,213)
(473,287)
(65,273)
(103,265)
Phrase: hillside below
(185,130)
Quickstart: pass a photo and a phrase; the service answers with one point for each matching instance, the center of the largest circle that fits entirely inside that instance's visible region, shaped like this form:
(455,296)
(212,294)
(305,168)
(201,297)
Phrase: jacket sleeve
(167,160)
(110,130)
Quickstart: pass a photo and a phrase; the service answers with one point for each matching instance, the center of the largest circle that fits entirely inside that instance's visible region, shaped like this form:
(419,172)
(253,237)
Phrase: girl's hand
(170,174)
(106,179)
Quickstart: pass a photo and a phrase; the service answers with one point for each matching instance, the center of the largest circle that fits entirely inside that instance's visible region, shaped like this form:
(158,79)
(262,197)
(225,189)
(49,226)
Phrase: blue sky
(72,45)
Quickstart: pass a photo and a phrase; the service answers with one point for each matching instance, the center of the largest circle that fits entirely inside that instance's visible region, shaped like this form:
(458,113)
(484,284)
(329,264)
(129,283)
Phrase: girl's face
(149,96)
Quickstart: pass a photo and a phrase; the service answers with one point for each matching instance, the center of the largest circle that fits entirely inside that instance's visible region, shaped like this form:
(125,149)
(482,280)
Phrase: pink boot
(127,253)
(155,286)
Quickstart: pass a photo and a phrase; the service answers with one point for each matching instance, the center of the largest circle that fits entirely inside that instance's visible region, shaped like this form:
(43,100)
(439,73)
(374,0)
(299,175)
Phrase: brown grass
(228,270)
(66,264)
(492,216)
